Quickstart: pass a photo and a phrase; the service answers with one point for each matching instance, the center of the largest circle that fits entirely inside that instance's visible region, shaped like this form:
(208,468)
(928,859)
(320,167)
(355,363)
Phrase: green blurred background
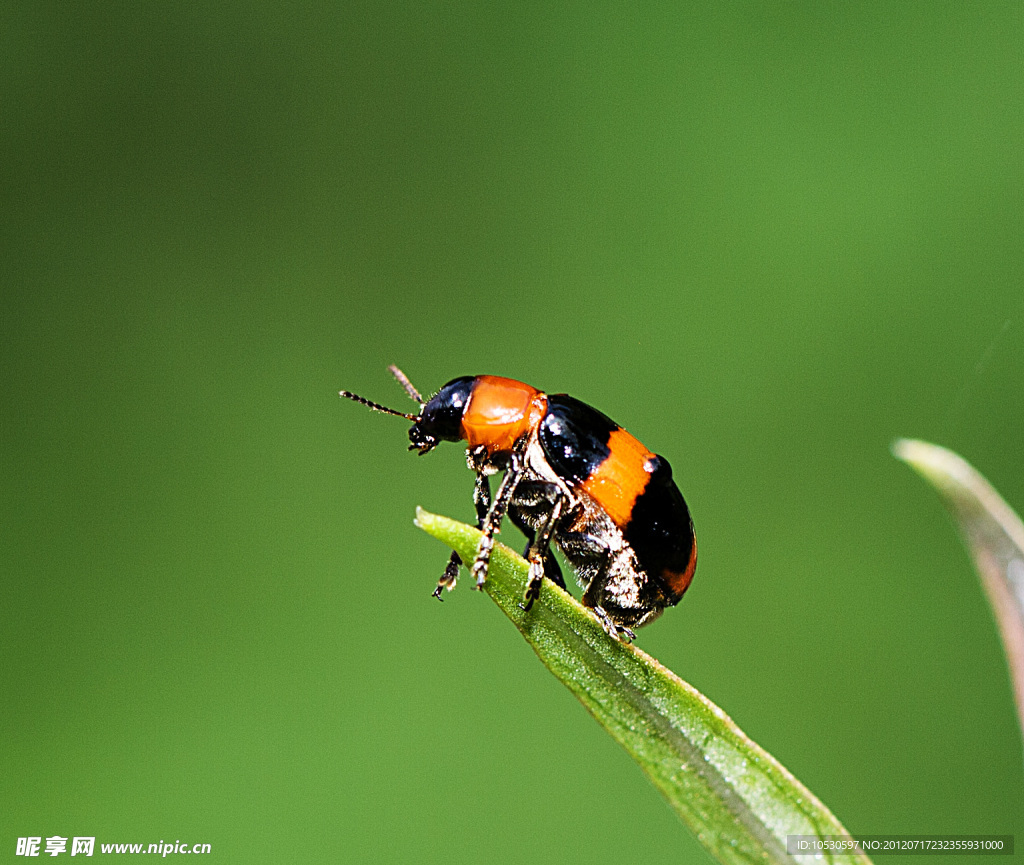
(766,240)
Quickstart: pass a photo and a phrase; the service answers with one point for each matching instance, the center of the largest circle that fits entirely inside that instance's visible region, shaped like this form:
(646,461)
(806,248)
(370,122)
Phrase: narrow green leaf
(736,798)
(994,535)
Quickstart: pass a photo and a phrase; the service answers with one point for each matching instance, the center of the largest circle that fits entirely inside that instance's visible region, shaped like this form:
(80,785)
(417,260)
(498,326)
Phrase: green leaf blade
(994,536)
(735,797)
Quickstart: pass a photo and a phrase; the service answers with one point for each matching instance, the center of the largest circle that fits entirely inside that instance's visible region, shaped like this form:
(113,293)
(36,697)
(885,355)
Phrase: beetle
(572,476)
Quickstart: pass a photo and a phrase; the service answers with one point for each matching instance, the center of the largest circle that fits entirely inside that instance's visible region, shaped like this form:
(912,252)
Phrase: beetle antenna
(376,406)
(404,382)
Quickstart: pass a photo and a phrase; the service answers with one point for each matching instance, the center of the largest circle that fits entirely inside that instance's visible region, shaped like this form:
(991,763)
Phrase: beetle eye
(421,441)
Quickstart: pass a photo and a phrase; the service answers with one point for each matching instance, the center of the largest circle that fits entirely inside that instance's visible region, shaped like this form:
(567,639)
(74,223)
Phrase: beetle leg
(450,575)
(612,629)
(598,561)
(482,503)
(492,522)
(538,554)
(592,595)
(552,570)
(532,504)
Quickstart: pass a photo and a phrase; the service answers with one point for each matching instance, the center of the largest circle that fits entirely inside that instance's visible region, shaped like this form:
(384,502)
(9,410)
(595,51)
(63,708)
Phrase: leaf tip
(429,522)
(900,448)
(420,518)
(940,466)
(918,453)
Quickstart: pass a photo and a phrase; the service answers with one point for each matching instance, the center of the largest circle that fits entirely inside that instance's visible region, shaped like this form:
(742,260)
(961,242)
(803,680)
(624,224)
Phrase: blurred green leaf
(994,535)
(736,798)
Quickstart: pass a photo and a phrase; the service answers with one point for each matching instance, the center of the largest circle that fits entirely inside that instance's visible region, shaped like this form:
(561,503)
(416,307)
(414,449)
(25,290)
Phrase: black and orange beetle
(572,476)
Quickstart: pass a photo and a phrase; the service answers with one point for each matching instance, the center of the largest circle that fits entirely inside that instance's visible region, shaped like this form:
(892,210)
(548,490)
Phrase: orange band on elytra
(619,481)
(679,582)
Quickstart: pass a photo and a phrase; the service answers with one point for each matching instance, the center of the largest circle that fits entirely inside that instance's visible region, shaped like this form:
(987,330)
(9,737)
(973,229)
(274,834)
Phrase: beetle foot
(449,577)
(532,592)
(620,632)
